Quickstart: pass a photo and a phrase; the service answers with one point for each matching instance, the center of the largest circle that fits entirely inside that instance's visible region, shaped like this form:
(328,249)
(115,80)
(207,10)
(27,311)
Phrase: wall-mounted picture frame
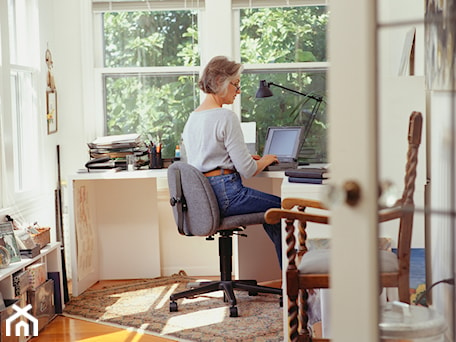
(7,234)
(51,111)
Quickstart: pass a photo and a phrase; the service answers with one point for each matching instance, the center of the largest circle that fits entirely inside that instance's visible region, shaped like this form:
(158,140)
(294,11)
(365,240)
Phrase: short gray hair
(218,73)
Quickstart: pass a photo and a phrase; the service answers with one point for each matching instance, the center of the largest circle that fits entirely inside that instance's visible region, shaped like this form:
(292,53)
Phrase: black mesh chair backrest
(194,204)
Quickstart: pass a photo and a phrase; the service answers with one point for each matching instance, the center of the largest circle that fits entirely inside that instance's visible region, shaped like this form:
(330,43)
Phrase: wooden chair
(307,270)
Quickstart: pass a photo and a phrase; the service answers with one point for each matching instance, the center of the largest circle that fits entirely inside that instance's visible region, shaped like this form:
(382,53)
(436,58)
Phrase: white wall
(71,52)
(398,96)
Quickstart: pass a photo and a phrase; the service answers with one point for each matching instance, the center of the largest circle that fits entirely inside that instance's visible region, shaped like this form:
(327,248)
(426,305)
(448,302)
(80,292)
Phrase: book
(307,180)
(308,173)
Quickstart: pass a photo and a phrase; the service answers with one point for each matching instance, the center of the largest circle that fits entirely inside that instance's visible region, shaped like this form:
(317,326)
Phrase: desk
(122,227)
(114,230)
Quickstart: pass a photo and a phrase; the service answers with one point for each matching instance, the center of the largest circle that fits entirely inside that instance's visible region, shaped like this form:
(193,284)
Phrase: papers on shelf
(115,140)
(86,170)
(117,146)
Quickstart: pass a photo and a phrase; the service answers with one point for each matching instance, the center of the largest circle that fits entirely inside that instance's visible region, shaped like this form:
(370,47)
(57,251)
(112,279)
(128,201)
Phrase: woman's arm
(265,161)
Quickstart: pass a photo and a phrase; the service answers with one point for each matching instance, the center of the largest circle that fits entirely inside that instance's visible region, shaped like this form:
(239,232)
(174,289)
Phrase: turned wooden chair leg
(303,318)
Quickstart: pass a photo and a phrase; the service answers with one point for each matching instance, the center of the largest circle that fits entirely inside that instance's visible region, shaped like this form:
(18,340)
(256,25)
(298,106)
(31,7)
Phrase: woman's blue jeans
(236,199)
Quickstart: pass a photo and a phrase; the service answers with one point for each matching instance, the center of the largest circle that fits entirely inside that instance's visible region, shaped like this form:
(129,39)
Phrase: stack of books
(312,175)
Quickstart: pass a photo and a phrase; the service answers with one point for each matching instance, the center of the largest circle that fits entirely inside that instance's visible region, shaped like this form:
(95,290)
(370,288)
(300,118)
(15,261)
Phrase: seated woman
(214,144)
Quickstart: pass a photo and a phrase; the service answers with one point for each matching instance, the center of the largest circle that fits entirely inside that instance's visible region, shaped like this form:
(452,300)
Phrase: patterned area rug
(144,305)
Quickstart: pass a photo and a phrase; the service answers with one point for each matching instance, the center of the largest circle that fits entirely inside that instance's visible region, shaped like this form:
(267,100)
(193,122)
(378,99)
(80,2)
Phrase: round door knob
(353,193)
(349,193)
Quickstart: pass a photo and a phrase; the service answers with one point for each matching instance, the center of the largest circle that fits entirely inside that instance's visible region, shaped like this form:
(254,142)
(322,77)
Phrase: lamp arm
(311,119)
(318,99)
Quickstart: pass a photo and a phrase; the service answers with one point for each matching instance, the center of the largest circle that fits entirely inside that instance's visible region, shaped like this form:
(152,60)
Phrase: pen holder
(155,161)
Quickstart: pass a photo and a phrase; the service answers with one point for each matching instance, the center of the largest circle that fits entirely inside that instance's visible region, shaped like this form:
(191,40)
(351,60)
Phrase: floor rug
(144,305)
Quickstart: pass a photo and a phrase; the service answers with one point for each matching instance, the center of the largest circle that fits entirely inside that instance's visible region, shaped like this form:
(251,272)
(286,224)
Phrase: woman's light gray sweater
(213,139)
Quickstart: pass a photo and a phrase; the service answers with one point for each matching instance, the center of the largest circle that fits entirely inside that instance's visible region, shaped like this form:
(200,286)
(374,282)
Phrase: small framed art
(51,111)
(7,234)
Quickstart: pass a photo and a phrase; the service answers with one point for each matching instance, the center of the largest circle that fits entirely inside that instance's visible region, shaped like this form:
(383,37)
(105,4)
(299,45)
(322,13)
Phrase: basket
(43,237)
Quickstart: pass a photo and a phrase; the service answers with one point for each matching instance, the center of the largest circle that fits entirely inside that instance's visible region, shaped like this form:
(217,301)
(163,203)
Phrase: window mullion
(175,70)
(291,67)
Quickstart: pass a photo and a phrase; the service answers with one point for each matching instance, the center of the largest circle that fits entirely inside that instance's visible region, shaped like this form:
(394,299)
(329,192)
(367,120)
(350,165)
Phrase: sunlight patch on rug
(139,301)
(194,320)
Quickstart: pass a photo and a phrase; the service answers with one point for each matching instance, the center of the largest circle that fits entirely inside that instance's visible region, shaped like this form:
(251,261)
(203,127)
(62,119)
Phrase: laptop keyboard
(282,166)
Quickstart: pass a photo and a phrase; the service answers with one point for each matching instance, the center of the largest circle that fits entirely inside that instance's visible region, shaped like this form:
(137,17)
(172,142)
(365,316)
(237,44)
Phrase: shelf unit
(50,255)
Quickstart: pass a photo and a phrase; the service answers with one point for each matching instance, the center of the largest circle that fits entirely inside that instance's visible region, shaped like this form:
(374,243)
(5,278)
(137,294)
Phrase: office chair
(196,213)
(307,270)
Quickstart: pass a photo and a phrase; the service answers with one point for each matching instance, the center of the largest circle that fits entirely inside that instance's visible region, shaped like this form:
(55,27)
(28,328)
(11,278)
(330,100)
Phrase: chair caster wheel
(233,311)
(253,293)
(172,307)
(281,301)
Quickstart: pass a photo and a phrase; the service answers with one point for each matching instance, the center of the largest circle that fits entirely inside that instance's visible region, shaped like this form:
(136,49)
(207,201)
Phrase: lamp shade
(263,90)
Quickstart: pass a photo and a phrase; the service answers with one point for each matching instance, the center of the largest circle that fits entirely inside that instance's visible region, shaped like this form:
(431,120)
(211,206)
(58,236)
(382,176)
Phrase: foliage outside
(159,103)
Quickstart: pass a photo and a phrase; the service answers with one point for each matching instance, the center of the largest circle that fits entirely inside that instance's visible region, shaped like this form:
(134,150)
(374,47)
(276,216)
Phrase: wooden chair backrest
(408,204)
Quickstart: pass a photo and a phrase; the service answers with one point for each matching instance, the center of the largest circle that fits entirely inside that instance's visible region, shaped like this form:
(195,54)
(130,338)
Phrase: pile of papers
(117,146)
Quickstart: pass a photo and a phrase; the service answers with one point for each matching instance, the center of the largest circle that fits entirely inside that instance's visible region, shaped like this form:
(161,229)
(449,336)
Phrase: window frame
(206,19)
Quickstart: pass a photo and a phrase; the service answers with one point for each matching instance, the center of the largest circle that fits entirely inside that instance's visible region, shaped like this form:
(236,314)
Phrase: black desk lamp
(265,91)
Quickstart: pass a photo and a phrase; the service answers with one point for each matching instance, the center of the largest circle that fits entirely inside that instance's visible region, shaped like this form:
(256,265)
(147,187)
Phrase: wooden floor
(66,329)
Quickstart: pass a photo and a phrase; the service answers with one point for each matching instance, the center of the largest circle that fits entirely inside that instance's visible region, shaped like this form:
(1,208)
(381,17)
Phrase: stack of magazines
(312,175)
(110,152)
(117,146)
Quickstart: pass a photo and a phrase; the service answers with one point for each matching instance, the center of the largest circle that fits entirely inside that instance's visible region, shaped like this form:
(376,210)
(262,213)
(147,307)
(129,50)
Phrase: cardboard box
(38,274)
(43,237)
(42,301)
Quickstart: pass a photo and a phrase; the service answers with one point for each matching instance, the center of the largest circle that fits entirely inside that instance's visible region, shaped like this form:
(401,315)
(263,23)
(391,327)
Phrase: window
(19,108)
(25,134)
(150,67)
(153,105)
(286,46)
(149,62)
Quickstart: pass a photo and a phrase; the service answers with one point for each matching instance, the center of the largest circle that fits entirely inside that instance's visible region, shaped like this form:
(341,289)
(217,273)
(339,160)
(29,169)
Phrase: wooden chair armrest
(274,215)
(390,214)
(289,203)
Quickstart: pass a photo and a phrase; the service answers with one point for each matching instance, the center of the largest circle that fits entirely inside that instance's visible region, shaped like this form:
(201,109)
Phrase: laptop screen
(285,142)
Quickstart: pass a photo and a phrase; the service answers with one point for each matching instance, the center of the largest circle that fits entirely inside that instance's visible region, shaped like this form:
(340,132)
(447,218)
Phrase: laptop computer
(285,143)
